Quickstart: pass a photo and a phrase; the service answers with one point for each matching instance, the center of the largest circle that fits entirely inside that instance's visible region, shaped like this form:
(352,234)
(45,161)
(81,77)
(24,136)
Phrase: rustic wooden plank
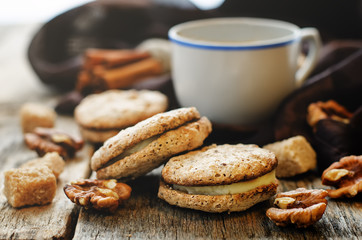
(55,220)
(145,216)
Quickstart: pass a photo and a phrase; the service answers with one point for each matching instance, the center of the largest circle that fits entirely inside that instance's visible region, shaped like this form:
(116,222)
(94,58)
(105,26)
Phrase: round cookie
(219,178)
(103,115)
(219,165)
(217,203)
(139,149)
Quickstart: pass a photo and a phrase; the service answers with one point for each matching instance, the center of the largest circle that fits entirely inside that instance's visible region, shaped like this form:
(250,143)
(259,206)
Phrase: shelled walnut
(104,195)
(327,110)
(345,175)
(45,140)
(301,207)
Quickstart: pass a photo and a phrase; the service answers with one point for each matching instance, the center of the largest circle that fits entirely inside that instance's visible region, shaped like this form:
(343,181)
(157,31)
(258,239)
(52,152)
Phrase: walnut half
(345,175)
(324,110)
(301,207)
(45,140)
(104,195)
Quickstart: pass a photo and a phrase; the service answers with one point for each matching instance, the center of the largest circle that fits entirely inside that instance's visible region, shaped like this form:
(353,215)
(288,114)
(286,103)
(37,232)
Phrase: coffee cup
(237,70)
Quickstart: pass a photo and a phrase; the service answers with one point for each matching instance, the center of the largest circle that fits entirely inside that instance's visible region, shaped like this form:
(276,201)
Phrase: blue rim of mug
(173,37)
(215,47)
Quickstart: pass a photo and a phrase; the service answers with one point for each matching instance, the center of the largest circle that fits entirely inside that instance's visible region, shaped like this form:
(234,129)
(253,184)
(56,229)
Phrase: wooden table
(143,216)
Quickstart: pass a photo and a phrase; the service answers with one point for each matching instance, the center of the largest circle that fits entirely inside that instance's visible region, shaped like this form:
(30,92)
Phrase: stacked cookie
(213,179)
(139,149)
(220,178)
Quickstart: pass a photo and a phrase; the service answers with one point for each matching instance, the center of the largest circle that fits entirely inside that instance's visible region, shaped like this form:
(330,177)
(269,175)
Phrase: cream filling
(136,148)
(140,146)
(234,188)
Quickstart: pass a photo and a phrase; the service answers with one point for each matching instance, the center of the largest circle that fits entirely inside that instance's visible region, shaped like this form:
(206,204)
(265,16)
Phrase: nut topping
(104,195)
(345,175)
(45,140)
(110,184)
(324,110)
(284,202)
(61,138)
(335,174)
(301,207)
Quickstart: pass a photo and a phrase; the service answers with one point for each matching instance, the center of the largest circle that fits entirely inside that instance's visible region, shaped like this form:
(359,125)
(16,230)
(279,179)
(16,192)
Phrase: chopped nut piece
(284,202)
(110,184)
(104,195)
(345,175)
(82,201)
(61,138)
(45,140)
(335,174)
(301,207)
(323,110)
(109,193)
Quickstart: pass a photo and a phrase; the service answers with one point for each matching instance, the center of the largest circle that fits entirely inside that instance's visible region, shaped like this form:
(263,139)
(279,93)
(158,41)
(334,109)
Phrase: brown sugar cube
(51,160)
(29,186)
(295,156)
(36,115)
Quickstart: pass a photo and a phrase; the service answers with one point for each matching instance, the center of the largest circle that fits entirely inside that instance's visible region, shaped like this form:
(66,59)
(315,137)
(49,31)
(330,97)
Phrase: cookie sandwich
(219,178)
(137,150)
(101,116)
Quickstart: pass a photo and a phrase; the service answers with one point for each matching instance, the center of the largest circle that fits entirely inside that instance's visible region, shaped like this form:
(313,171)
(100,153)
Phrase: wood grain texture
(145,216)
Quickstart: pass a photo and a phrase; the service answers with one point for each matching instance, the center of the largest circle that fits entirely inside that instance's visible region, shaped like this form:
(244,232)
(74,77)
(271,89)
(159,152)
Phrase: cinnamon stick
(111,69)
(126,75)
(111,58)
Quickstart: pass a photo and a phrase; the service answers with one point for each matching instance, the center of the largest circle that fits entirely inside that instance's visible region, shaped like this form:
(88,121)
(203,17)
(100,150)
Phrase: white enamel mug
(237,70)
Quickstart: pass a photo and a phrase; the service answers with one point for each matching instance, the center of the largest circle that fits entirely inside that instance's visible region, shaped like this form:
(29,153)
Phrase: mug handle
(311,36)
